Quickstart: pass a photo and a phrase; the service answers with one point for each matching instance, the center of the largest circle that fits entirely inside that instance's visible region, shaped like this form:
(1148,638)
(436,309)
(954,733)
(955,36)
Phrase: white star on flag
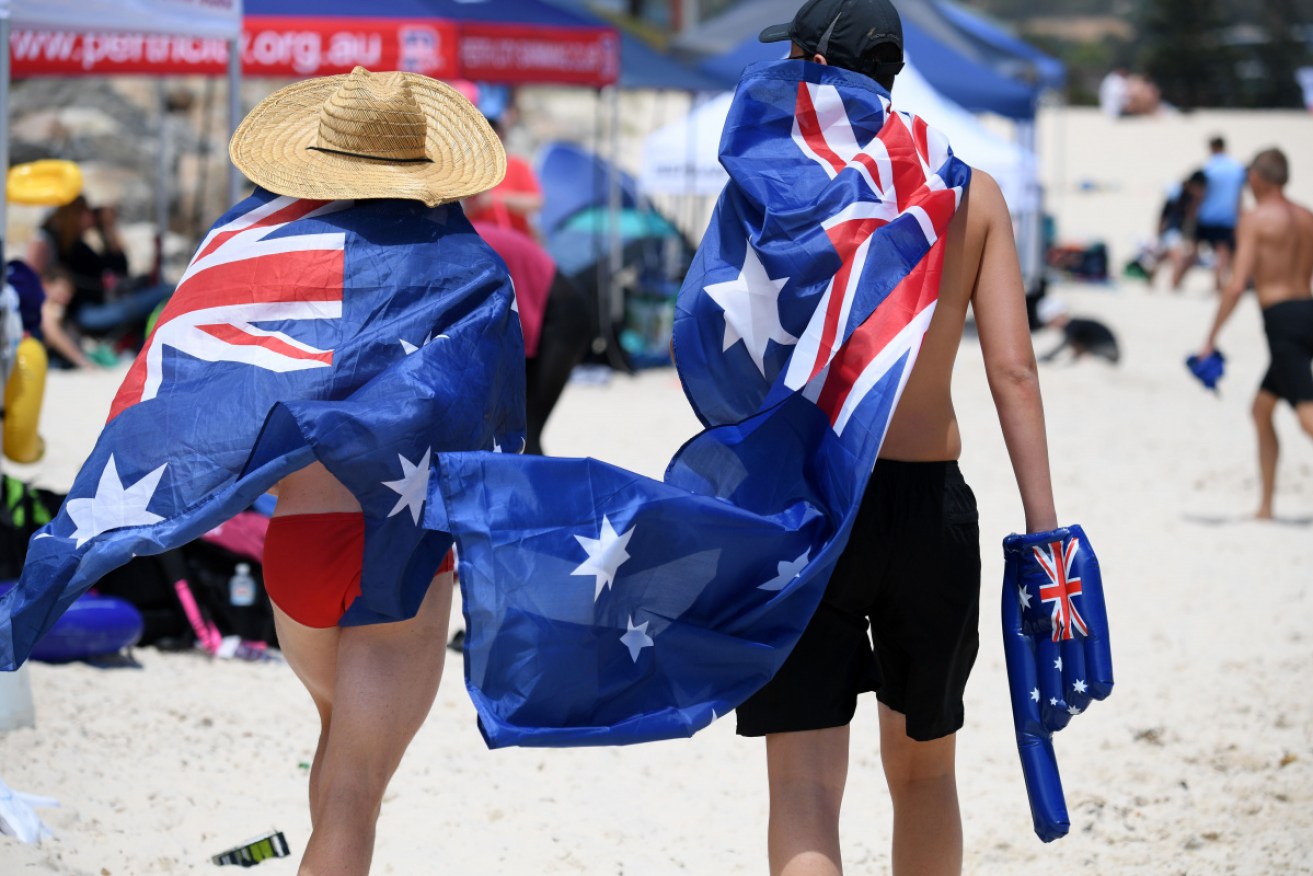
(114,506)
(411,348)
(752,311)
(636,638)
(1057,664)
(1053,701)
(428,339)
(1072,710)
(787,571)
(1023,596)
(606,554)
(413,485)
(1078,685)
(1034,695)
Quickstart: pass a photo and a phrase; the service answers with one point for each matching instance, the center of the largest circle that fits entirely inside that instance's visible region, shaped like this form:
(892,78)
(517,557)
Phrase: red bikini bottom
(312,565)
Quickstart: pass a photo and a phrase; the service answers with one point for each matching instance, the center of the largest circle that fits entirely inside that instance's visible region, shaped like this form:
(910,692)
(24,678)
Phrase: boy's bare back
(980,268)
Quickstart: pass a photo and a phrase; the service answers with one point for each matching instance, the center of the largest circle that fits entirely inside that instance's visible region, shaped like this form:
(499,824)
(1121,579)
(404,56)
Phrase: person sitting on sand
(1275,250)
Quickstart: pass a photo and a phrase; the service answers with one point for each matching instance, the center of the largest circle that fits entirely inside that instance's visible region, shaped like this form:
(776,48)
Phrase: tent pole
(1031,246)
(4,131)
(601,341)
(616,261)
(162,161)
(235,180)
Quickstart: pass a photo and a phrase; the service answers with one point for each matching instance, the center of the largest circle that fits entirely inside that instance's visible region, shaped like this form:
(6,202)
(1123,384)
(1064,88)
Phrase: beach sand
(1201,762)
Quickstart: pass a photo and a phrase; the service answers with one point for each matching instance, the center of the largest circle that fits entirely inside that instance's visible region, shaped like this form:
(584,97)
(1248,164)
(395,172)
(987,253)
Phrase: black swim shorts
(1215,234)
(911,574)
(1289,327)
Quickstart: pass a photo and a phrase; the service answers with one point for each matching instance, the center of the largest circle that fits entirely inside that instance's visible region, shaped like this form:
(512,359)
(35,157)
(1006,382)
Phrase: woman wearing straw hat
(344,137)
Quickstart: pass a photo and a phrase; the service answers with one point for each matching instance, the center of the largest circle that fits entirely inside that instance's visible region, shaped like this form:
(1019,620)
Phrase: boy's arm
(998,299)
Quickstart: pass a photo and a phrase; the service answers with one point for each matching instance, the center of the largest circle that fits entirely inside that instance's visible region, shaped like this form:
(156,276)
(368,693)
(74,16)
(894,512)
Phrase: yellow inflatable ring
(50,182)
(23,397)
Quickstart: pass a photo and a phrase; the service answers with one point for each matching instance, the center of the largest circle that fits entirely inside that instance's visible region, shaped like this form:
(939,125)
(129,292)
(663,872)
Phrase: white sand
(1200,763)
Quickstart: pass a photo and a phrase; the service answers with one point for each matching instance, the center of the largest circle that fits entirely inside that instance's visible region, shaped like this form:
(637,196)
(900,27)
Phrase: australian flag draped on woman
(607,608)
(339,331)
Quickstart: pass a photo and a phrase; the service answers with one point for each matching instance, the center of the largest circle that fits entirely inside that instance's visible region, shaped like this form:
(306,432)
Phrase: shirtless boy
(1274,249)
(912,566)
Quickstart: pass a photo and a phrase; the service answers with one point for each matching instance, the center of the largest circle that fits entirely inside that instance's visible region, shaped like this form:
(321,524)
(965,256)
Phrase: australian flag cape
(369,335)
(608,608)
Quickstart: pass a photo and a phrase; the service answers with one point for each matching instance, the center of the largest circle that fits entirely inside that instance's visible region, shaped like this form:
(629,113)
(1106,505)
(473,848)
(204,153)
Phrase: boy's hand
(1055,639)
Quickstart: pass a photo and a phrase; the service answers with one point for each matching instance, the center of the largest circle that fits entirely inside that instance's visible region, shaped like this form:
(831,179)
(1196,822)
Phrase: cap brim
(776,33)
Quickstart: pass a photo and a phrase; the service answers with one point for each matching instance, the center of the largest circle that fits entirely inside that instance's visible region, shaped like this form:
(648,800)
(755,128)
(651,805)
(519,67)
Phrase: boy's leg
(806,772)
(1264,409)
(387,677)
(922,781)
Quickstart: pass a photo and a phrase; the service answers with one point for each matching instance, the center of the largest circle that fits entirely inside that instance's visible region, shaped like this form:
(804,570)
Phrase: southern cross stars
(413,485)
(606,554)
(752,313)
(114,505)
(786,571)
(636,638)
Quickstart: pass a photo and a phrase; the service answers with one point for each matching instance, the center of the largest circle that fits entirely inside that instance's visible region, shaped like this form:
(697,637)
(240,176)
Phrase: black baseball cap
(843,31)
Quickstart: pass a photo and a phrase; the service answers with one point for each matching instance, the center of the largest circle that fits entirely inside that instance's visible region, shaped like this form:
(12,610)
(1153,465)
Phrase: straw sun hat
(369,135)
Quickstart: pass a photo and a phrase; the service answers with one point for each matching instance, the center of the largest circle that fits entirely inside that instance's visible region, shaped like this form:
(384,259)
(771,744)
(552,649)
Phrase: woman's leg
(386,679)
(312,654)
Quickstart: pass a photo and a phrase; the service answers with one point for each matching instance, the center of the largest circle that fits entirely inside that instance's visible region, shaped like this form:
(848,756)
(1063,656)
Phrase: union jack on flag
(607,608)
(1063,586)
(368,335)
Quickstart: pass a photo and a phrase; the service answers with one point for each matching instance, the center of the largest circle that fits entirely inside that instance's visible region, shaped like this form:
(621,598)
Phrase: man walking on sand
(911,569)
(1274,249)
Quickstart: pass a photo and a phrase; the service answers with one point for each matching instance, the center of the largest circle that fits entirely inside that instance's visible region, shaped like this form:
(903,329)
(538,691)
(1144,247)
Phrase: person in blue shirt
(1217,214)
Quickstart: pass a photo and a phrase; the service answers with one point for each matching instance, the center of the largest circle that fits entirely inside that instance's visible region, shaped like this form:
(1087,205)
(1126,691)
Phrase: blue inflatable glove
(1055,640)
(1209,369)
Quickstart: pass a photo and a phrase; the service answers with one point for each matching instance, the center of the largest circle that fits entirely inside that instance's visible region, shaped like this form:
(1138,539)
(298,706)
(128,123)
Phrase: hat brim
(776,33)
(274,144)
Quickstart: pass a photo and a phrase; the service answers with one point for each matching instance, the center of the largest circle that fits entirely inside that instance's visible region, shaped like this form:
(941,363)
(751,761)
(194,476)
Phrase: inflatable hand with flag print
(1055,639)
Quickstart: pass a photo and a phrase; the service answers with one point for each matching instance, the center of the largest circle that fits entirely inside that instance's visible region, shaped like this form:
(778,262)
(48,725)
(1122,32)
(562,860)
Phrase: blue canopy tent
(592,211)
(575,179)
(1005,51)
(642,66)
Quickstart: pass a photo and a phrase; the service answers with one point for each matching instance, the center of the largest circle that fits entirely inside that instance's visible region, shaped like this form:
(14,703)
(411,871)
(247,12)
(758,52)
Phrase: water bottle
(241,586)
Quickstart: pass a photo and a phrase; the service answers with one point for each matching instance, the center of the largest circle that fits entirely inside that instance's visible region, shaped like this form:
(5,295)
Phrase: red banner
(281,47)
(509,53)
(303,47)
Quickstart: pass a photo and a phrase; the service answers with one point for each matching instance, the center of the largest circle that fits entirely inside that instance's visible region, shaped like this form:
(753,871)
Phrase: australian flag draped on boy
(607,608)
(302,329)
